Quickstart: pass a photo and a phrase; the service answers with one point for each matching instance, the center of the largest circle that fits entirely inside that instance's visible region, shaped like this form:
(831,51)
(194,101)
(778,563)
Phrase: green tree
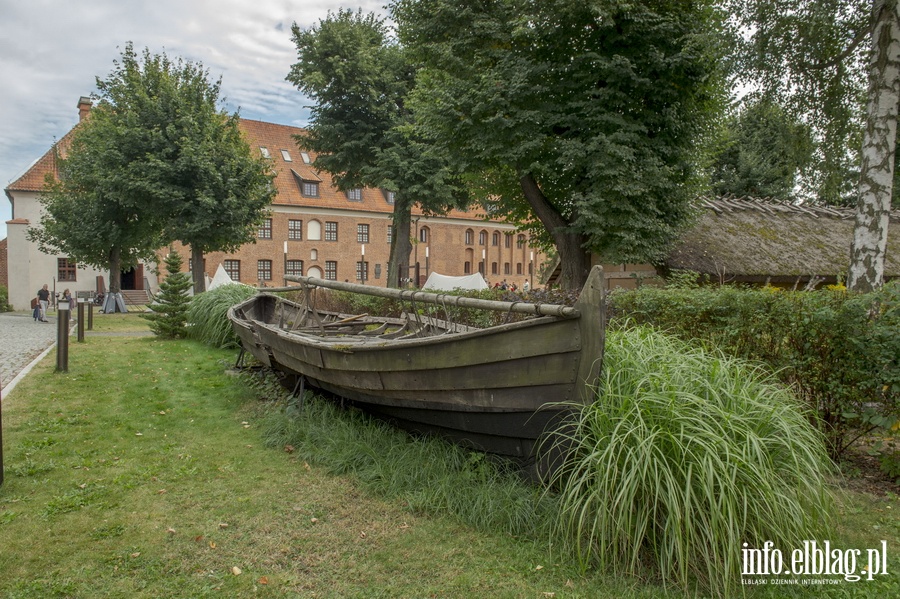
(359,78)
(836,63)
(580,118)
(168,314)
(763,152)
(155,162)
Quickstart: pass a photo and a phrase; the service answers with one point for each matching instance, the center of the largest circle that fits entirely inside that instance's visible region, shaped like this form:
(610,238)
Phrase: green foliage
(208,314)
(686,455)
(601,105)
(839,351)
(4,299)
(762,153)
(168,314)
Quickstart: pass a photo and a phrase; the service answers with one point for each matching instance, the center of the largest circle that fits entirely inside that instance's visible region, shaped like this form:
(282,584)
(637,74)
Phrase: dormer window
(354,195)
(286,155)
(389,196)
(310,189)
(264,151)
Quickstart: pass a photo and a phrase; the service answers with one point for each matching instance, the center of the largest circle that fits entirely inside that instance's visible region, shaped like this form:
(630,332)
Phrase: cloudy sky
(52,51)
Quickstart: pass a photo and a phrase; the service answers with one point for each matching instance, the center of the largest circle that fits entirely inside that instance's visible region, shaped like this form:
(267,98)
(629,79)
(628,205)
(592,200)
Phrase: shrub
(686,455)
(4,299)
(208,315)
(168,314)
(839,351)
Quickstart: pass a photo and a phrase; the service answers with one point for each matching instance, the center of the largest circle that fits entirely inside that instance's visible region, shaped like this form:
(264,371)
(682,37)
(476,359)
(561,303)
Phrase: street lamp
(362,264)
(426,261)
(483,262)
(285,263)
(531,271)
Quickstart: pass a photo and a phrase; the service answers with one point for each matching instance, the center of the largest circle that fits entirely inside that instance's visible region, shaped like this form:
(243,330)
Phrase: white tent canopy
(448,283)
(221,278)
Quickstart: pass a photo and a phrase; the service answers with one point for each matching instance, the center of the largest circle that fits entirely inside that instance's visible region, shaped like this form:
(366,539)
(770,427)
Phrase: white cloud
(51,53)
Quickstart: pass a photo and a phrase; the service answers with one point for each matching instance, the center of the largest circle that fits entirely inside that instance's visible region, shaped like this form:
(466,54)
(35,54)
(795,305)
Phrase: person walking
(43,296)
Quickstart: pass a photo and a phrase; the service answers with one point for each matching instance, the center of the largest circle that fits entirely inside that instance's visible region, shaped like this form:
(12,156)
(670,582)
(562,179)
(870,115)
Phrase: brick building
(312,229)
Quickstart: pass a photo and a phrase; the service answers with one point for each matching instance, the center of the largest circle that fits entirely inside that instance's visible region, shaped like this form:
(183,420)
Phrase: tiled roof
(288,179)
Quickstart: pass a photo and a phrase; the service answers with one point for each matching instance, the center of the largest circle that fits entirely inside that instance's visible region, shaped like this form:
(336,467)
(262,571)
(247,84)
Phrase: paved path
(21,341)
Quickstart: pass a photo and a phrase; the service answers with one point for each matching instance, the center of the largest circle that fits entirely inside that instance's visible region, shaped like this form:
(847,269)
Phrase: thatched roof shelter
(752,240)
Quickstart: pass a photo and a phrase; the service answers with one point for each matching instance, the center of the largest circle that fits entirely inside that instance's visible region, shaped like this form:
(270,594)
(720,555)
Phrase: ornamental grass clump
(208,315)
(686,455)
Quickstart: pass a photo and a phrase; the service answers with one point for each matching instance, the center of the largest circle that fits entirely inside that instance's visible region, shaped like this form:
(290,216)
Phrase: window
(507,268)
(520,241)
(264,270)
(467,268)
(507,242)
(390,235)
(470,236)
(232,269)
(495,239)
(518,268)
(331,270)
(362,271)
(294,268)
(423,234)
(305,157)
(265,229)
(295,229)
(495,269)
(482,238)
(314,230)
(354,195)
(286,155)
(331,231)
(264,151)
(310,189)
(481,267)
(389,196)
(65,270)
(362,233)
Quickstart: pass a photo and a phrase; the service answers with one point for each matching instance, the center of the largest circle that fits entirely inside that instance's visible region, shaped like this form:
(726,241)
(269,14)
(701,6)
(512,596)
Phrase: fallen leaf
(289,449)
(314,520)
(161,492)
(171,531)
(138,434)
(539,568)
(362,535)
(549,594)
(306,466)
(223,525)
(212,545)
(162,413)
(82,486)
(236,571)
(404,526)
(570,584)
(263,580)
(198,538)
(136,554)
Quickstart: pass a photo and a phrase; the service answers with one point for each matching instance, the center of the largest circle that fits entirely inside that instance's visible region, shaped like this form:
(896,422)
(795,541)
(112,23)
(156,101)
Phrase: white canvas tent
(220,278)
(448,283)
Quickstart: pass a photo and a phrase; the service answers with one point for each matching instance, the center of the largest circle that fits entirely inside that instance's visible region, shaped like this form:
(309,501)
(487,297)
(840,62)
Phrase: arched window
(424,234)
(482,238)
(495,238)
(314,230)
(315,271)
(470,236)
(520,241)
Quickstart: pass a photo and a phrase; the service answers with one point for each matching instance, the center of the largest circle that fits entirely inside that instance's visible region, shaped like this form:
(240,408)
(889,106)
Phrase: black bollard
(81,320)
(91,315)
(62,337)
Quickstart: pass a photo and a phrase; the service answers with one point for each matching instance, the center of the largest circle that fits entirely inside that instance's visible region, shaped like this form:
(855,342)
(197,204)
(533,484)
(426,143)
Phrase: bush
(840,351)
(168,314)
(4,299)
(686,455)
(208,315)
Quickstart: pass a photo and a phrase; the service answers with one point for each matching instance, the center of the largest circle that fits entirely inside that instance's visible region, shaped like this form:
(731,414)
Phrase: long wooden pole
(440,299)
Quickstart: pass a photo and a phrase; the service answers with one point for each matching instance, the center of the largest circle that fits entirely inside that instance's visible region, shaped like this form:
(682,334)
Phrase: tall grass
(687,455)
(208,315)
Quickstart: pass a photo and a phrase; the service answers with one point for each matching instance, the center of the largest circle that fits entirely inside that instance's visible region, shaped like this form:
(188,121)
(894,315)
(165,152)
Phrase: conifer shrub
(168,314)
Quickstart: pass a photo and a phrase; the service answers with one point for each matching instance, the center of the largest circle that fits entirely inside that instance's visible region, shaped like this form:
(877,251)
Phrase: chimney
(84,107)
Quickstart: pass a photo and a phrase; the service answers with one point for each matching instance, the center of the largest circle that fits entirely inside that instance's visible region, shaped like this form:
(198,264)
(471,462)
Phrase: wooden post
(80,319)
(62,337)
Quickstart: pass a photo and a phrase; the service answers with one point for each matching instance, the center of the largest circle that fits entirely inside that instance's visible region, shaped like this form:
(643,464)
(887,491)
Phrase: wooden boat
(496,389)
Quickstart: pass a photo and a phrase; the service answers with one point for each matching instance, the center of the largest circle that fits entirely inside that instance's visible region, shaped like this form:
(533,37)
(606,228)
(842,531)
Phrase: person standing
(43,295)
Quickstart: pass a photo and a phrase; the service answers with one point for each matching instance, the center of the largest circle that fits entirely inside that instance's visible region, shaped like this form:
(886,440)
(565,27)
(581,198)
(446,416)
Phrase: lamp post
(285,263)
(531,271)
(362,264)
(426,261)
(483,262)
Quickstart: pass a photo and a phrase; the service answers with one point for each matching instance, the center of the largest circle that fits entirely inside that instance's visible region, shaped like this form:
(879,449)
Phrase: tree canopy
(360,78)
(580,119)
(154,162)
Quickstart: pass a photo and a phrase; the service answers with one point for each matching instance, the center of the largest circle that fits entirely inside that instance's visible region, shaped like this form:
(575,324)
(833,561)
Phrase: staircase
(135,297)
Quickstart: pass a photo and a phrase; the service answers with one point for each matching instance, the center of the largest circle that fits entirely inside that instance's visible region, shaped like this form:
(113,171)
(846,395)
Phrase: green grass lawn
(143,472)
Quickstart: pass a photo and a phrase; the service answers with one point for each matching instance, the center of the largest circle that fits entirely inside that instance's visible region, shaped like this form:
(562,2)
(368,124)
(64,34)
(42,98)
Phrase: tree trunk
(115,270)
(198,272)
(879,142)
(574,261)
(401,246)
